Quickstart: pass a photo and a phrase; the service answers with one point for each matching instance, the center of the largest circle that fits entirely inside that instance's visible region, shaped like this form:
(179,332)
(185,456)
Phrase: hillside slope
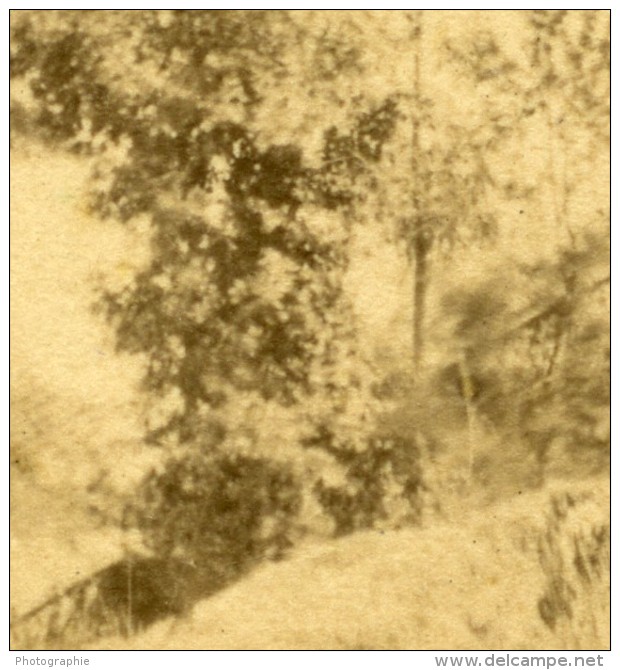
(529,574)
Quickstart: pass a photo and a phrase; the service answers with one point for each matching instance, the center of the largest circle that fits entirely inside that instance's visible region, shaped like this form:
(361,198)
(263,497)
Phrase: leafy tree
(558,88)
(239,143)
(569,56)
(240,304)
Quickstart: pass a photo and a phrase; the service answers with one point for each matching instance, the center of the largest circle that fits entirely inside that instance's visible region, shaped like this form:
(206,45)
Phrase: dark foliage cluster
(219,511)
(190,324)
(387,463)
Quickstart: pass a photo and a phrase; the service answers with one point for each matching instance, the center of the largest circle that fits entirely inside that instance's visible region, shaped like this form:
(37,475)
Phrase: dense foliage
(242,296)
(220,512)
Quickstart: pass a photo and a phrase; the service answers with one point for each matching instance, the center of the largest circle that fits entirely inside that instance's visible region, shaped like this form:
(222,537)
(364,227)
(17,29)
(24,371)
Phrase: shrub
(574,555)
(382,484)
(223,512)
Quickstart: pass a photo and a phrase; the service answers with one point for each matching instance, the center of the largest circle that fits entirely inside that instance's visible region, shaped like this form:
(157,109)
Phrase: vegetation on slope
(527,574)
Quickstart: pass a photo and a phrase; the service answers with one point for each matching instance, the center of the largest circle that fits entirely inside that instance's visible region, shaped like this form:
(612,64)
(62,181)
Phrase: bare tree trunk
(421,248)
(419,243)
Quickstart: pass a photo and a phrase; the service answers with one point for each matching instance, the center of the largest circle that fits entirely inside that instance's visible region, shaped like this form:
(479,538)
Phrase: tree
(557,88)
(569,52)
(240,304)
(436,197)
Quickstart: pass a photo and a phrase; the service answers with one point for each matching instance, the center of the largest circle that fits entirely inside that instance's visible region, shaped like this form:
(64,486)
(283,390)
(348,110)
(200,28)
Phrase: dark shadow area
(123,598)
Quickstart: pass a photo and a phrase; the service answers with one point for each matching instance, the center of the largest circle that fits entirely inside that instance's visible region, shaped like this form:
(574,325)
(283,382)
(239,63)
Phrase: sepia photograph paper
(310,330)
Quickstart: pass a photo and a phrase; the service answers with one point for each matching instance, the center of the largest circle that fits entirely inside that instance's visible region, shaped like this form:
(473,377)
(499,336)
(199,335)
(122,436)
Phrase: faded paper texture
(310,329)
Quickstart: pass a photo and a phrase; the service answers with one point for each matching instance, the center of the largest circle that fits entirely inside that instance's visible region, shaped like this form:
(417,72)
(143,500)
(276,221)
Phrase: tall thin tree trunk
(421,250)
(419,247)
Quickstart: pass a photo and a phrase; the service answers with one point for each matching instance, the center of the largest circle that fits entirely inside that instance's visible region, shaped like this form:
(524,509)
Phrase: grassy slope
(469,585)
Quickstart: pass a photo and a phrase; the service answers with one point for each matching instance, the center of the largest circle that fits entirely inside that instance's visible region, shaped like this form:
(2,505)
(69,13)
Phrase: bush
(222,512)
(383,482)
